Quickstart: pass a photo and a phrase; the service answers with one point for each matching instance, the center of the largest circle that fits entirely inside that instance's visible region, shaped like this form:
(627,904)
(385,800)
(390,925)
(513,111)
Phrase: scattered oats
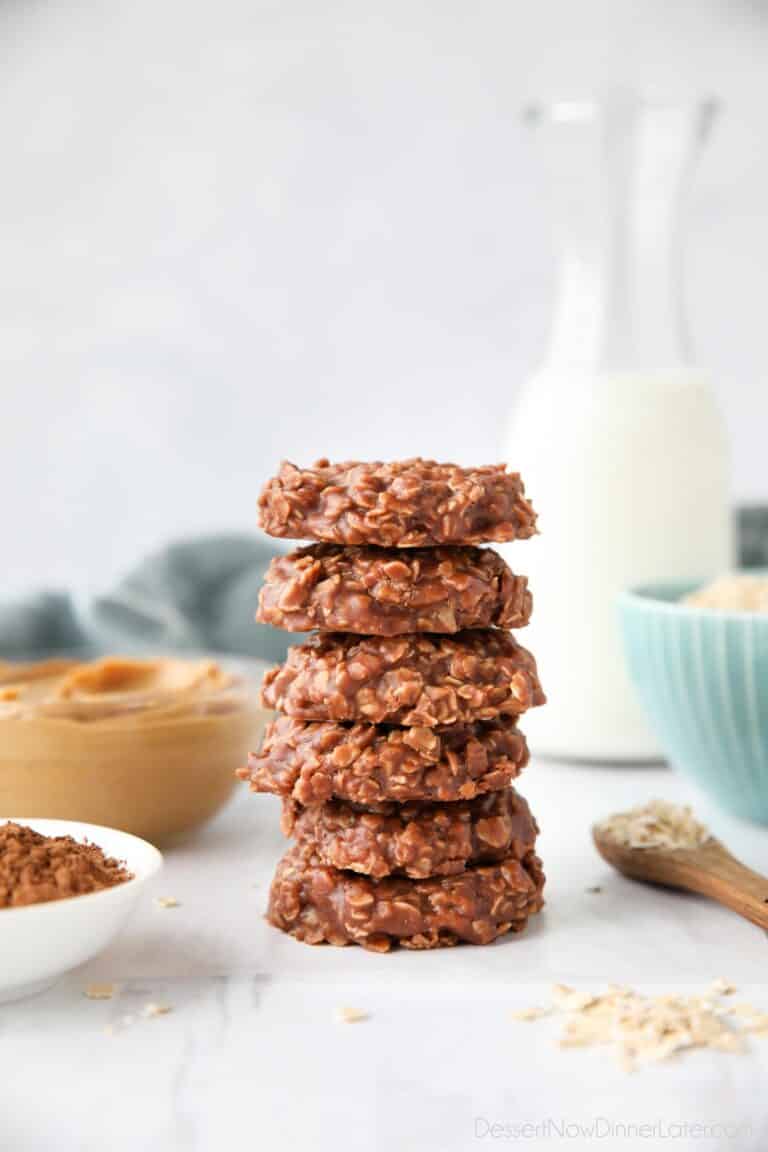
(649,1029)
(119,1025)
(583,1032)
(534,1013)
(728,1042)
(742,1009)
(155,1009)
(757,1023)
(721,987)
(569,1000)
(619,990)
(657,824)
(99,991)
(147,1012)
(167,902)
(352,1015)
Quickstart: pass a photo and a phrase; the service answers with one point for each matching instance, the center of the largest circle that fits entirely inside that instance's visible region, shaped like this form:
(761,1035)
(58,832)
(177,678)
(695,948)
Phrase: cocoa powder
(36,868)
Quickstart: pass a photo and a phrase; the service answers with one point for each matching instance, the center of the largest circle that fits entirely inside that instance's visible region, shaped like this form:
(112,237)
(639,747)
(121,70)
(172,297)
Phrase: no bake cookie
(405,504)
(319,904)
(367,764)
(386,592)
(415,840)
(411,679)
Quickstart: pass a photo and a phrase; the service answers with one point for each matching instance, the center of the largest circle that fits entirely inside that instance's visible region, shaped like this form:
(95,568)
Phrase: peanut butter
(148,746)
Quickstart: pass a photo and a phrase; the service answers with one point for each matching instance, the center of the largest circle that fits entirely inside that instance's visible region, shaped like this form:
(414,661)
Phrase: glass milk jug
(617,437)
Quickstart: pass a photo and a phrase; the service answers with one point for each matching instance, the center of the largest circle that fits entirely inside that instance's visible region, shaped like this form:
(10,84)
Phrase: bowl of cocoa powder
(66,889)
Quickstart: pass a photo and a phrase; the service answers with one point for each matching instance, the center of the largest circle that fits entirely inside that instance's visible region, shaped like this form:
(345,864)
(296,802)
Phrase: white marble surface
(254,1054)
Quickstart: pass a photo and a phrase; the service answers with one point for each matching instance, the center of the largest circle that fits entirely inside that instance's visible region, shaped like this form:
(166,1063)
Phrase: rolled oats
(657,824)
(167,902)
(535,1012)
(649,1029)
(352,1015)
(737,592)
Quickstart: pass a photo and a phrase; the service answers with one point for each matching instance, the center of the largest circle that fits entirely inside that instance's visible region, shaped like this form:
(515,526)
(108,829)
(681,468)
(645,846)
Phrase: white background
(238,231)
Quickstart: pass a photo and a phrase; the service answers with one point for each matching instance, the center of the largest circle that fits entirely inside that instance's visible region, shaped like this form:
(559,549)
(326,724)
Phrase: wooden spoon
(709,870)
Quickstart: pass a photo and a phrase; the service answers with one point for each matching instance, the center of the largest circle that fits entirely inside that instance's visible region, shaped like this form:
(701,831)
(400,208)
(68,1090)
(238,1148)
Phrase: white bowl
(40,942)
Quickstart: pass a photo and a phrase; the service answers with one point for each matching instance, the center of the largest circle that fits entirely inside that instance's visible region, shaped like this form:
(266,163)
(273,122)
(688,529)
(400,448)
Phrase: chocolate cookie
(317,904)
(368,764)
(406,504)
(411,679)
(416,840)
(386,592)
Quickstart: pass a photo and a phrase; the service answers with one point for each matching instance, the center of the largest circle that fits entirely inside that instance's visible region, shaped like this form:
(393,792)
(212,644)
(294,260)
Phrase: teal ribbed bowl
(703,680)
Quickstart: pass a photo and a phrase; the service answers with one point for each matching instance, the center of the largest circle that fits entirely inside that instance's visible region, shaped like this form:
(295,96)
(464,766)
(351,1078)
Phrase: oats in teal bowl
(699,660)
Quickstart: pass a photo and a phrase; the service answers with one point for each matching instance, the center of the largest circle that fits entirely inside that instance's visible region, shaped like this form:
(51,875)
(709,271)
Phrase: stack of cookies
(398,737)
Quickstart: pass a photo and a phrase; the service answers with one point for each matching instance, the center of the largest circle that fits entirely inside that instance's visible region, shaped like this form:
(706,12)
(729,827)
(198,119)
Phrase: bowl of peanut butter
(148,746)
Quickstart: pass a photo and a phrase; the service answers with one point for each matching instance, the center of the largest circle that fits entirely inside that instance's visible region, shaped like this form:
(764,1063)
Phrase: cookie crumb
(167,902)
(594,890)
(352,1015)
(99,991)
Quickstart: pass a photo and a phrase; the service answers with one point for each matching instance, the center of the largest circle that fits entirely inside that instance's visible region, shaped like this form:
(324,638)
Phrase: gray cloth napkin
(39,625)
(192,595)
